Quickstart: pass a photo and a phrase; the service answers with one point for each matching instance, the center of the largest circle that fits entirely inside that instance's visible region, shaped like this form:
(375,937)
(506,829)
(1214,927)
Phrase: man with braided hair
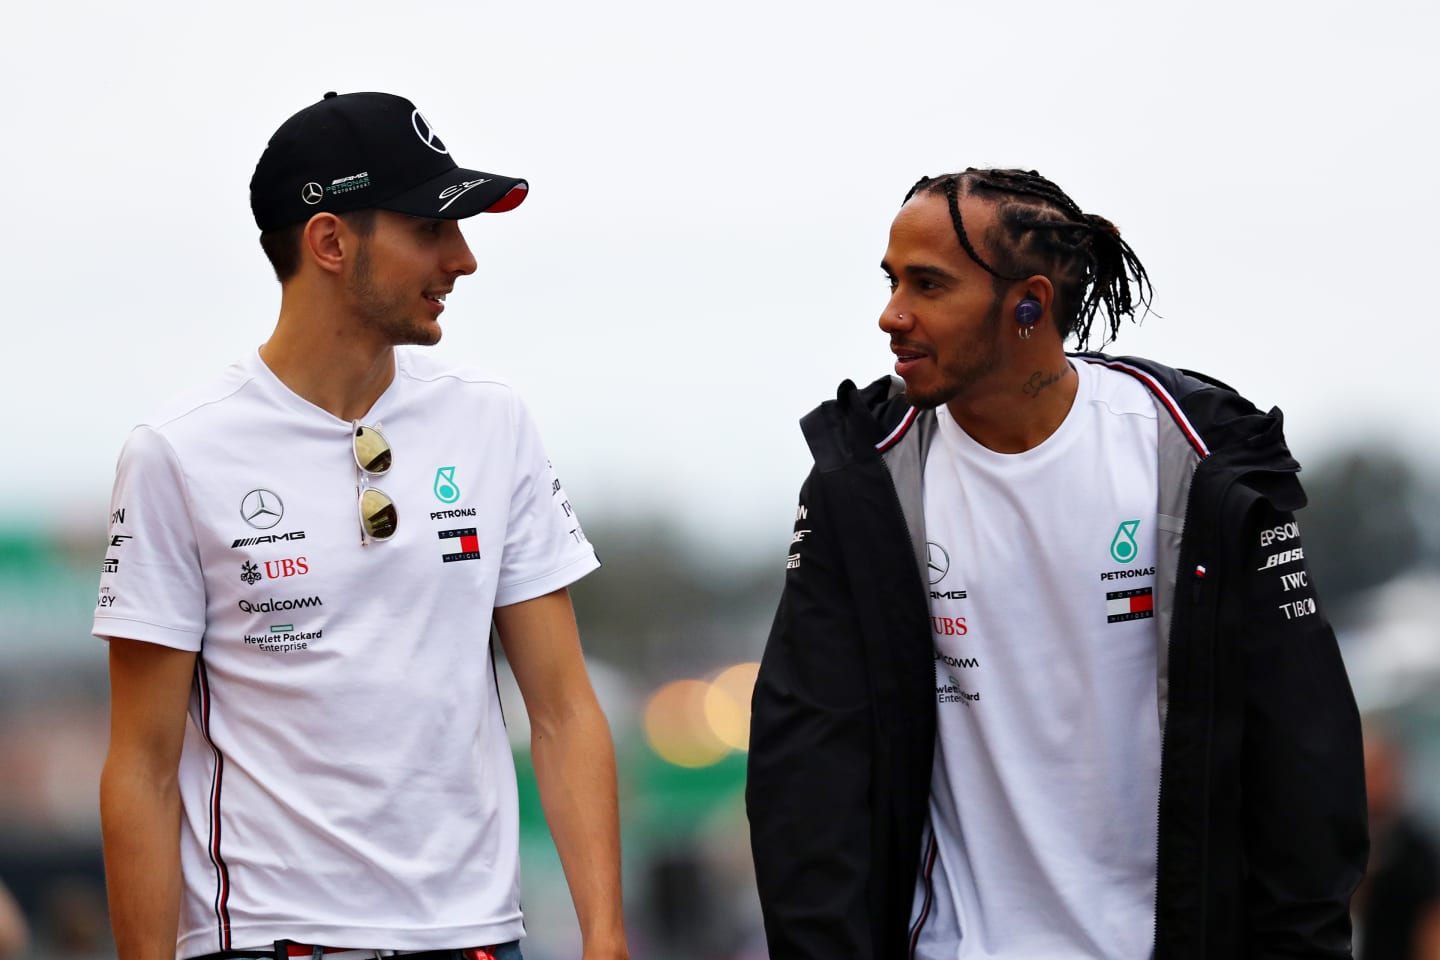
(1049,677)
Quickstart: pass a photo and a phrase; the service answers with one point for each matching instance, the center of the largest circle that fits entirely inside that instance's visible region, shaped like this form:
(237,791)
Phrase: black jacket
(1262,834)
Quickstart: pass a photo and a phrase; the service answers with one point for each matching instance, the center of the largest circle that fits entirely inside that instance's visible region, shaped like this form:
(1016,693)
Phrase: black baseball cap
(355,151)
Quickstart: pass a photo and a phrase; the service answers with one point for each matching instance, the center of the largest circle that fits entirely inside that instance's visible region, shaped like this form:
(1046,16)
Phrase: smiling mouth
(435,297)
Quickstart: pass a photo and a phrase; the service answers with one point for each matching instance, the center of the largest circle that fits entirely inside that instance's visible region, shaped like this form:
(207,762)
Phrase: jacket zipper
(912,937)
(1197,575)
(1197,584)
(927,861)
(1195,587)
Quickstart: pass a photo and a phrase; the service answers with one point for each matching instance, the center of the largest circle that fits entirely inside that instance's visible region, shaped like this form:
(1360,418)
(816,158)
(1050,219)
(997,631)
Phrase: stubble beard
(981,360)
(386,312)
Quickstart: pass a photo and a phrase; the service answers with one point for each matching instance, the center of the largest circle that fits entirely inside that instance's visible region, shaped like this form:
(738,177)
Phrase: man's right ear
(321,242)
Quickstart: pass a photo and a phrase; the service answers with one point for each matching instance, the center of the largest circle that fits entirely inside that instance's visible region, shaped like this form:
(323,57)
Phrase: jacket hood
(855,425)
(1238,437)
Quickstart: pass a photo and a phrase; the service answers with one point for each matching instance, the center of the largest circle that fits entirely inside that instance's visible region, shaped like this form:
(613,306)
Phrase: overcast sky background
(697,263)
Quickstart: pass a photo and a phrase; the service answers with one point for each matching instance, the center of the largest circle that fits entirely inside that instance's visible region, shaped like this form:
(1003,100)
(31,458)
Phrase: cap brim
(458,194)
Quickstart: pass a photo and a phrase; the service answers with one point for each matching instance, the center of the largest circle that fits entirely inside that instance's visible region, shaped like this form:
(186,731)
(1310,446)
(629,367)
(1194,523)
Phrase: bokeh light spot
(676,728)
(727,705)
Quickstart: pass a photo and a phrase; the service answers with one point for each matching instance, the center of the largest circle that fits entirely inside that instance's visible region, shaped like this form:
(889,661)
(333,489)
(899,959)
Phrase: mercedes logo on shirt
(937,562)
(262,509)
(312,193)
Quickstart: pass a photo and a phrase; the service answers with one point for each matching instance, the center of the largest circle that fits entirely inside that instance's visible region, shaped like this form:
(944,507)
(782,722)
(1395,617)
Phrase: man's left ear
(1036,295)
(320,240)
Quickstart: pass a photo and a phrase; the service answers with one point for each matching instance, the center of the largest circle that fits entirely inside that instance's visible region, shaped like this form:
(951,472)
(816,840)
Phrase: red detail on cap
(1200,571)
(510,201)
(478,953)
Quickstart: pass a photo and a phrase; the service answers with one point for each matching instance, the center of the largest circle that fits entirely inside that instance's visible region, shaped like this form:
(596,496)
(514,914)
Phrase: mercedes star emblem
(937,562)
(312,193)
(426,133)
(262,509)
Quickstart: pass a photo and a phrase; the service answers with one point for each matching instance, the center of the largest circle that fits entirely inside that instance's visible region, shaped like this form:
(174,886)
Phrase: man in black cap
(306,558)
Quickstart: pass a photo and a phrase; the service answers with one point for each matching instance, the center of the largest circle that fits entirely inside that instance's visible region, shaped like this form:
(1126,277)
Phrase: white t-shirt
(345,776)
(1045,795)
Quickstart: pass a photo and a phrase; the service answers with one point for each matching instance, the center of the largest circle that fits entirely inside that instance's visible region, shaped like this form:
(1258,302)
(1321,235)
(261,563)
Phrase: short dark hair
(282,244)
(1040,230)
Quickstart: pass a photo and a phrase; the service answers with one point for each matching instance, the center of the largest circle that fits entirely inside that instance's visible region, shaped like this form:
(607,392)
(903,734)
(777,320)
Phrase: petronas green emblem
(1123,548)
(446,490)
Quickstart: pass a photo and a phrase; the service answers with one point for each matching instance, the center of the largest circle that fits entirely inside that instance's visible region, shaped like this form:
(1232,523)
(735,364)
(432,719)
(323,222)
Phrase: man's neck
(1023,406)
(328,361)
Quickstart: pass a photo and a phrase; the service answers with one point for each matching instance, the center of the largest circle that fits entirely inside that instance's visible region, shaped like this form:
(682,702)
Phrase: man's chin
(418,336)
(926,399)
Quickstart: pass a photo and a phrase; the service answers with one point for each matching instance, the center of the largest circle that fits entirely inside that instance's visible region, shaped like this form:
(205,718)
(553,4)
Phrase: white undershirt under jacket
(1045,796)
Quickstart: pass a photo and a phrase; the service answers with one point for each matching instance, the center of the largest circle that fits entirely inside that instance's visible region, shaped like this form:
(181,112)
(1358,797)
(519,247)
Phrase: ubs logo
(288,567)
(937,562)
(262,509)
(274,569)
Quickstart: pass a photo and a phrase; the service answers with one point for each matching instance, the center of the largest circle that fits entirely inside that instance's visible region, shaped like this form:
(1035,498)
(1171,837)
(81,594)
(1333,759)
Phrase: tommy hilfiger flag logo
(466,539)
(1123,605)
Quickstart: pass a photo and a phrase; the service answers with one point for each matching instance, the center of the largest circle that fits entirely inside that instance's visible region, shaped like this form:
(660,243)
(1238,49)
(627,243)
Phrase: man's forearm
(575,770)
(140,823)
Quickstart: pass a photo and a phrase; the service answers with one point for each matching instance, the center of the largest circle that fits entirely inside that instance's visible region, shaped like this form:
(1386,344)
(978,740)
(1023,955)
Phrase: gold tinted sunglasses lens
(377,514)
(372,450)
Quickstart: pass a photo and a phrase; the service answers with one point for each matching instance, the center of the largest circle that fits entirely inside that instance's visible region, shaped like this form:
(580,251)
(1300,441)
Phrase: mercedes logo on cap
(262,509)
(426,133)
(937,562)
(312,192)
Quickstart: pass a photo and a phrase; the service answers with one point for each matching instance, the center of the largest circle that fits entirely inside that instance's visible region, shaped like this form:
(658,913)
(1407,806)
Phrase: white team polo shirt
(346,777)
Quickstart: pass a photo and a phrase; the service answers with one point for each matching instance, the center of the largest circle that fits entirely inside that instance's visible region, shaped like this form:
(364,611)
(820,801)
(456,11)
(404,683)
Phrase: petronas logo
(446,490)
(1123,548)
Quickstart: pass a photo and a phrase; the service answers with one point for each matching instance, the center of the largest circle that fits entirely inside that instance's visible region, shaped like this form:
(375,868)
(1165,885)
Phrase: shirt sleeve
(545,547)
(151,584)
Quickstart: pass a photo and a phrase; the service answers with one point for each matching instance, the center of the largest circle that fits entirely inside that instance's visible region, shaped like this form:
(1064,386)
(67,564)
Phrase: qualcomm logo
(937,562)
(261,509)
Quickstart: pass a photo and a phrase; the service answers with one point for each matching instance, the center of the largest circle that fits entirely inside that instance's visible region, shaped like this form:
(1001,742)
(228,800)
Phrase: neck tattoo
(1039,381)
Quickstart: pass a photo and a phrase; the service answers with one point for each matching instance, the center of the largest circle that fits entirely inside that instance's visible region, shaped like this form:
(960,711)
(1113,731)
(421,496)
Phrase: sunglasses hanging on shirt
(378,518)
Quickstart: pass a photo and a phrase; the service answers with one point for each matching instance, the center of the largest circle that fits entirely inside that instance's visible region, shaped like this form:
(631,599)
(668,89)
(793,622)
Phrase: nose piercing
(900,316)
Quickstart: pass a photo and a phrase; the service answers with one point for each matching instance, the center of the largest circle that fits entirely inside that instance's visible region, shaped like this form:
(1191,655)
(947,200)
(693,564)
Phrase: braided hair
(1040,230)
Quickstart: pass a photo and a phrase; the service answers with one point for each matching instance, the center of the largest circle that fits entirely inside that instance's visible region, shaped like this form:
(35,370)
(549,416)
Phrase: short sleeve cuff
(127,629)
(529,589)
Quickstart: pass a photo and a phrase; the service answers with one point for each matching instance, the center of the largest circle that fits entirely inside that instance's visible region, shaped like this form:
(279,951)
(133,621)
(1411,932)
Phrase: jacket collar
(862,423)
